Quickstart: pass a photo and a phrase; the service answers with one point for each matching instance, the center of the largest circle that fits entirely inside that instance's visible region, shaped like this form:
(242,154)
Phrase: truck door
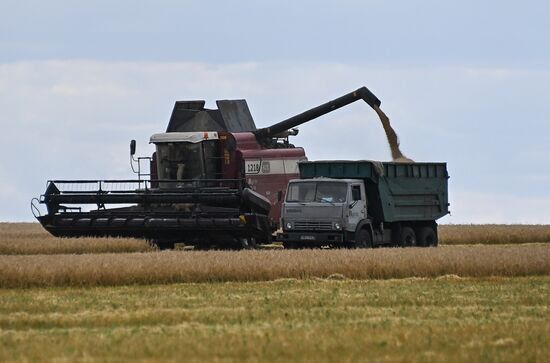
(357,210)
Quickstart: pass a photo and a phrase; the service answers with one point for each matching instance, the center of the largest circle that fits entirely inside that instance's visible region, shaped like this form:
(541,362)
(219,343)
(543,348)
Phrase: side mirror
(279,195)
(133,147)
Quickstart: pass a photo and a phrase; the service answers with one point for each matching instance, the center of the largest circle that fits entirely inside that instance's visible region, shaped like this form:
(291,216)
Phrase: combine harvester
(214,180)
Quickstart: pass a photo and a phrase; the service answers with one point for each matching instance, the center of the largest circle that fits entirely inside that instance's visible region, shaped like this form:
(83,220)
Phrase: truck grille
(310,225)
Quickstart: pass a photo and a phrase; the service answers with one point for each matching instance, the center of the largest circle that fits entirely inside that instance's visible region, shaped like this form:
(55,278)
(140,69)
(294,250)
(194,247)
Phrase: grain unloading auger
(214,180)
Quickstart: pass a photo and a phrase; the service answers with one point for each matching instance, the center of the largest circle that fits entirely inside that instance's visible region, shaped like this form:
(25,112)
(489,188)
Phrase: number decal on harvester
(271,166)
(253,166)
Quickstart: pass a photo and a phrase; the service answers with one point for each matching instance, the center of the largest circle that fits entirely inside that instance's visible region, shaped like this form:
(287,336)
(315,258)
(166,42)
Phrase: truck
(214,180)
(361,204)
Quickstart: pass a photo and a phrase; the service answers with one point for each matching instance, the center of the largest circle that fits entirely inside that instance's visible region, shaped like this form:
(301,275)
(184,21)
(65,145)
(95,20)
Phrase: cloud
(74,119)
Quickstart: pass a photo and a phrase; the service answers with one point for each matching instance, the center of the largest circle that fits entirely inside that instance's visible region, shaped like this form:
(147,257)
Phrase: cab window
(356,192)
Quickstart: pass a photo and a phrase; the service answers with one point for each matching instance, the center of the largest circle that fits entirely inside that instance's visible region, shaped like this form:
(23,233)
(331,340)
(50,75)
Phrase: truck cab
(323,212)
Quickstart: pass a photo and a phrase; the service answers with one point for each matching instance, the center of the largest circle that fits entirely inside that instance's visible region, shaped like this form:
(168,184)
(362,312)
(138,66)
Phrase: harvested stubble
(208,266)
(31,238)
(493,233)
(412,320)
(407,320)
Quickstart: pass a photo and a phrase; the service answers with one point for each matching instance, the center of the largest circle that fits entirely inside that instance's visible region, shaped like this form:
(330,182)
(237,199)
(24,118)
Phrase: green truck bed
(395,191)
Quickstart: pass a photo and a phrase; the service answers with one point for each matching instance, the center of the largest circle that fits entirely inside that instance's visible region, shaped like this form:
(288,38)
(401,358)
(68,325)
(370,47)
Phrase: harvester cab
(187,156)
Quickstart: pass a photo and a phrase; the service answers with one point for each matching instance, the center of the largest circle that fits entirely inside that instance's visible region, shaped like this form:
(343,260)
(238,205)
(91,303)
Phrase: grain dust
(393,140)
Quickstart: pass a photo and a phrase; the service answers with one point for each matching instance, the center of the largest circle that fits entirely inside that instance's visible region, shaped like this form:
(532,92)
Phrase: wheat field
(264,265)
(29,256)
(31,238)
(471,299)
(493,233)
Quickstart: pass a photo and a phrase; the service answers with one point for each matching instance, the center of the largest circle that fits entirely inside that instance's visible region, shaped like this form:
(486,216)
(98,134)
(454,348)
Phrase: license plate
(308,238)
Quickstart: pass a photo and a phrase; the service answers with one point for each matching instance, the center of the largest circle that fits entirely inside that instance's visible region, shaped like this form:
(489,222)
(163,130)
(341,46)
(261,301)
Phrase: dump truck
(364,204)
(214,180)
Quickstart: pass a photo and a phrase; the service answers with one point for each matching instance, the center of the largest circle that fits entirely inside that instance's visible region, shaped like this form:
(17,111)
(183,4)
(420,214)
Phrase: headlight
(289,225)
(337,226)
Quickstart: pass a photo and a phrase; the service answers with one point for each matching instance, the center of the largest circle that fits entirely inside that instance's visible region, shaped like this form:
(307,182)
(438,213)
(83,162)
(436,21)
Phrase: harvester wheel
(427,237)
(289,245)
(163,244)
(248,243)
(363,239)
(201,246)
(408,237)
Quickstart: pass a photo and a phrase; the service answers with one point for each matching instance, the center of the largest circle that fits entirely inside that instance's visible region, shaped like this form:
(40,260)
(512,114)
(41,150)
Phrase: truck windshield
(323,192)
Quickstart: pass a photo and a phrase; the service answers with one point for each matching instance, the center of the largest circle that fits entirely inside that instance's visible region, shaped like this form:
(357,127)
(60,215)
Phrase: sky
(464,82)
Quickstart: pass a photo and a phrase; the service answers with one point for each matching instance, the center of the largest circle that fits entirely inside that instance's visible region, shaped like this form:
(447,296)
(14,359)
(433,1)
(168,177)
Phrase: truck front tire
(363,239)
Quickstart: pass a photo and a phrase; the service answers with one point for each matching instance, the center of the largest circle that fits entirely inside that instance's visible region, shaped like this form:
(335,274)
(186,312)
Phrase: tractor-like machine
(214,180)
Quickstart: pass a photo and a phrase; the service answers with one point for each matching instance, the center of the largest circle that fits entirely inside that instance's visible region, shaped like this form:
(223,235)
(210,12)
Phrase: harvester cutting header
(214,179)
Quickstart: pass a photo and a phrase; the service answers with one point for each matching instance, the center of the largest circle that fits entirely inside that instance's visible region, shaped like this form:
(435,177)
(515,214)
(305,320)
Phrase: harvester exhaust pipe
(361,93)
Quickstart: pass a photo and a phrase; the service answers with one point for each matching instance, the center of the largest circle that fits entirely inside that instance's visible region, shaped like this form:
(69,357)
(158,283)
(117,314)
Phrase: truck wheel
(427,237)
(408,237)
(363,239)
